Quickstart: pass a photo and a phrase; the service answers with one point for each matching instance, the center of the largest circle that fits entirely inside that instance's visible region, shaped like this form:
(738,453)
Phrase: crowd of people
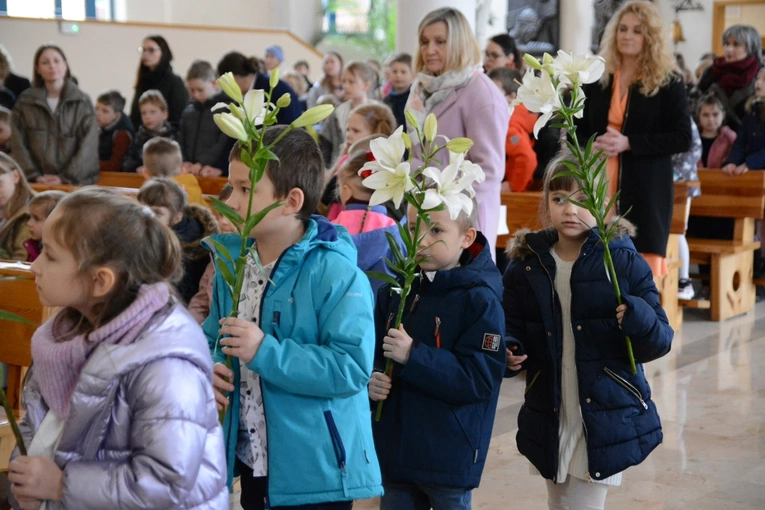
(129,376)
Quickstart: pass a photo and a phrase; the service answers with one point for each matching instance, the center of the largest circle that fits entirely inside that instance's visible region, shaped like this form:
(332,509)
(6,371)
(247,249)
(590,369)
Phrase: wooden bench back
(209,185)
(523,211)
(725,196)
(681,207)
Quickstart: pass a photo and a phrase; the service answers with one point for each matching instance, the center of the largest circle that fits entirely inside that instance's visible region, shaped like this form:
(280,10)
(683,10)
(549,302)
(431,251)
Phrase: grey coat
(63,143)
(143,429)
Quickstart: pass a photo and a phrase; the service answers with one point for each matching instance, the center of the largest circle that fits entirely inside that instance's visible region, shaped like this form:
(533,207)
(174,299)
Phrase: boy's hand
(513,361)
(49,179)
(729,168)
(397,345)
(36,478)
(222,379)
(210,171)
(244,338)
(620,313)
(379,386)
(741,169)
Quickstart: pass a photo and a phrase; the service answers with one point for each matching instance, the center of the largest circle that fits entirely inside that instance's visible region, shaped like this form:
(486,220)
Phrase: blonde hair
(378,117)
(655,62)
(22,193)
(462,49)
(162,157)
(296,81)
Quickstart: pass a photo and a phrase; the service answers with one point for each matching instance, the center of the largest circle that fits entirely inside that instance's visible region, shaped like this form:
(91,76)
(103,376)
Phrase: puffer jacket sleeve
(645,321)
(20,144)
(211,324)
(170,402)
(515,329)
(467,374)
(83,168)
(340,364)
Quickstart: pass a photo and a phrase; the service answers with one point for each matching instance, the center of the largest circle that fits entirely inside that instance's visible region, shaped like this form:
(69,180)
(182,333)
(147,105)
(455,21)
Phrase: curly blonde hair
(655,63)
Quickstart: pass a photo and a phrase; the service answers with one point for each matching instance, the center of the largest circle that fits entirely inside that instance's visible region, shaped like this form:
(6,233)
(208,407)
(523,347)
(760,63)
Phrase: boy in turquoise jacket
(297,424)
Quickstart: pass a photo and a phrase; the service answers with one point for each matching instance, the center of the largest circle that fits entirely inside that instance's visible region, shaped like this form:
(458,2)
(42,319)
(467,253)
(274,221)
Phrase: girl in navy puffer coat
(586,417)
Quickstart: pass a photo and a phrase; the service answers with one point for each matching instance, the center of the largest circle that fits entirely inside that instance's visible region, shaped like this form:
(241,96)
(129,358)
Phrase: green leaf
(223,251)
(228,212)
(266,155)
(382,277)
(247,159)
(396,269)
(255,218)
(12,317)
(225,271)
(395,249)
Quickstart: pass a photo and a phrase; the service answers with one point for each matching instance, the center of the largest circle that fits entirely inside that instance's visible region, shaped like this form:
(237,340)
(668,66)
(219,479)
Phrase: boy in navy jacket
(449,354)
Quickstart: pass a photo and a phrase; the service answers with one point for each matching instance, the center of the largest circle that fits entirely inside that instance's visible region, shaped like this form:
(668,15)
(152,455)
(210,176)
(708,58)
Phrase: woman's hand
(612,142)
(49,179)
(35,478)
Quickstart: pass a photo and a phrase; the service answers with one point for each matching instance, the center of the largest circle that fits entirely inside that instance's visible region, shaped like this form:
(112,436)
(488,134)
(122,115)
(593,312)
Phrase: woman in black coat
(155,72)
(639,112)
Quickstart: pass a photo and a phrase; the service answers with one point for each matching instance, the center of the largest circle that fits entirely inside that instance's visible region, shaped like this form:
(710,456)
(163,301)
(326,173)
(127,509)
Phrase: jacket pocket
(337,442)
(626,385)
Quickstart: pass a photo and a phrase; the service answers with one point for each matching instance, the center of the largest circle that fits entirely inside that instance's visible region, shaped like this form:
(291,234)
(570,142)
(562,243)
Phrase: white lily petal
(381,196)
(253,103)
(434,174)
(432,199)
(219,106)
(540,123)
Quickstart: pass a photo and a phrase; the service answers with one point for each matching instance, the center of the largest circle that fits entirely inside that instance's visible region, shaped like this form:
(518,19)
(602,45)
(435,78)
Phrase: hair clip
(365,173)
(147,211)
(370,156)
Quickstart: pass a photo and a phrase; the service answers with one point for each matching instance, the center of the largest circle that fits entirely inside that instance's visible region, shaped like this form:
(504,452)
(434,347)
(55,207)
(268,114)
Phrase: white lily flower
(387,151)
(388,183)
(254,102)
(538,94)
(578,69)
(451,184)
(231,126)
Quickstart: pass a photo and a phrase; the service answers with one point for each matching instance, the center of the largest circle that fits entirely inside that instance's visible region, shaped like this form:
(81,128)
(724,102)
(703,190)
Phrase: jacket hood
(198,222)
(476,268)
(525,241)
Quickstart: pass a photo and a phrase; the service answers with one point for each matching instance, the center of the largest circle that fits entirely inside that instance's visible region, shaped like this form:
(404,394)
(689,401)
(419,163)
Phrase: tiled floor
(710,392)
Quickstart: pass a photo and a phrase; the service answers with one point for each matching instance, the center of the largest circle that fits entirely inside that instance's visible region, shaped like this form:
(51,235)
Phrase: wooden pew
(742,198)
(523,211)
(209,185)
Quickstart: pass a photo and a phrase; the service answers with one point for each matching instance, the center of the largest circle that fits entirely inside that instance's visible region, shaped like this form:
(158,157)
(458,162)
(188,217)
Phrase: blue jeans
(422,496)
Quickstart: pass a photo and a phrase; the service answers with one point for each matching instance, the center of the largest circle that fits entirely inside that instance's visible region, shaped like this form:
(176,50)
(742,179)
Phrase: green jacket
(13,234)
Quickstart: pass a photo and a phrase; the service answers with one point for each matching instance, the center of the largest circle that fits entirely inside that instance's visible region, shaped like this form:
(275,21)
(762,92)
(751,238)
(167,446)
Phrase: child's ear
(512,95)
(165,115)
(468,238)
(16,176)
(104,280)
(293,202)
(176,219)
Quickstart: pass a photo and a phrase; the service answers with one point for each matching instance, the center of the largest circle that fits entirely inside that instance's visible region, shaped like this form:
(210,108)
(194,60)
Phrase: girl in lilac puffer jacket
(120,410)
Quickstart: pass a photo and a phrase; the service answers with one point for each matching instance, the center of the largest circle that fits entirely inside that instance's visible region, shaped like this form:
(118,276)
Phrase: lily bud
(274,78)
(430,128)
(411,119)
(228,84)
(314,115)
(231,126)
(284,101)
(459,145)
(407,140)
(547,59)
(531,61)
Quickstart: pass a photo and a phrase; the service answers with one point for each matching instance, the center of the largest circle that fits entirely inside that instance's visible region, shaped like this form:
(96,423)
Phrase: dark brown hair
(201,70)
(101,227)
(300,166)
(509,79)
(401,58)
(326,81)
(47,200)
(5,115)
(163,192)
(144,73)
(37,80)
(113,99)
(236,63)
(553,183)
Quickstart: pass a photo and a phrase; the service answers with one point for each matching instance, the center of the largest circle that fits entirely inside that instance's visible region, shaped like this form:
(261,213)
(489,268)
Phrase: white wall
(104,55)
(697,30)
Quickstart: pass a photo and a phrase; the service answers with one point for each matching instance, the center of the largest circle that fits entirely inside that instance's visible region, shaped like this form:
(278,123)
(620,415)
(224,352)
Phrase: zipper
(337,442)
(533,380)
(626,385)
(437,332)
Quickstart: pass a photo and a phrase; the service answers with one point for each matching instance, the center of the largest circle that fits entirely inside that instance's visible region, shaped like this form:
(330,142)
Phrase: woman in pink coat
(450,83)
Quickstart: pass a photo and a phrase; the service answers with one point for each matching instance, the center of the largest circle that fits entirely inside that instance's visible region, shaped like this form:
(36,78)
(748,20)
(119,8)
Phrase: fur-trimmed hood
(198,222)
(519,247)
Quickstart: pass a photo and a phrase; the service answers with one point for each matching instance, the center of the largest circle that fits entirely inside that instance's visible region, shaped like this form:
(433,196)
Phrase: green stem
(12,421)
(615,282)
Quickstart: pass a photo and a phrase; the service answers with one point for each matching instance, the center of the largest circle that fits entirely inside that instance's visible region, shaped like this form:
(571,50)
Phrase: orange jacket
(520,158)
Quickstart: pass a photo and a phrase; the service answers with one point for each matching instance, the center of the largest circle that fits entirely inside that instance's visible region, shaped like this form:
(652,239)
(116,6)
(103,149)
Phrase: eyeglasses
(148,50)
(492,56)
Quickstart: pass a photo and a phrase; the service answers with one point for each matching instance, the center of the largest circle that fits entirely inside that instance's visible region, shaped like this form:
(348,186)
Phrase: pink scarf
(58,364)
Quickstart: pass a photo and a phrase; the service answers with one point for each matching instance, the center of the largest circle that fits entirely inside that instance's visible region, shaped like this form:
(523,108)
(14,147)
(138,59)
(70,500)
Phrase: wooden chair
(742,198)
(523,211)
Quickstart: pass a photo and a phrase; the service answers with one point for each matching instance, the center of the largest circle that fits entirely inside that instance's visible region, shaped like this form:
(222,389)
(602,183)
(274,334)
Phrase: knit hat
(276,51)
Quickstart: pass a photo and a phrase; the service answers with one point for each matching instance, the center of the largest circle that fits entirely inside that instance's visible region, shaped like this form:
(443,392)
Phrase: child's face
(8,182)
(759,84)
(400,76)
(302,69)
(57,275)
(357,129)
(271,61)
(571,222)
(353,86)
(331,65)
(263,195)
(165,216)
(152,116)
(710,118)
(5,132)
(105,115)
(200,90)
(36,222)
(443,244)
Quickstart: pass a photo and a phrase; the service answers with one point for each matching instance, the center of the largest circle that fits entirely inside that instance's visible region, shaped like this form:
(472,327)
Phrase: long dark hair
(507,43)
(144,73)
(37,80)
(236,63)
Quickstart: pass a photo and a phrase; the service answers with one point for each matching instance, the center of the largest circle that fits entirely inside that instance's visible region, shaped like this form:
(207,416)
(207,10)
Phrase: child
(364,121)
(401,78)
(748,151)
(297,82)
(520,158)
(40,207)
(162,158)
(586,416)
(15,195)
(302,347)
(5,130)
(153,110)
(203,144)
(449,357)
(273,57)
(115,131)
(118,394)
(199,305)
(358,79)
(191,223)
(716,139)
(367,225)
(303,69)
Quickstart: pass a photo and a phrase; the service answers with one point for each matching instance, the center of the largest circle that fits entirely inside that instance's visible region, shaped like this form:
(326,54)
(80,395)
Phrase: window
(61,9)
